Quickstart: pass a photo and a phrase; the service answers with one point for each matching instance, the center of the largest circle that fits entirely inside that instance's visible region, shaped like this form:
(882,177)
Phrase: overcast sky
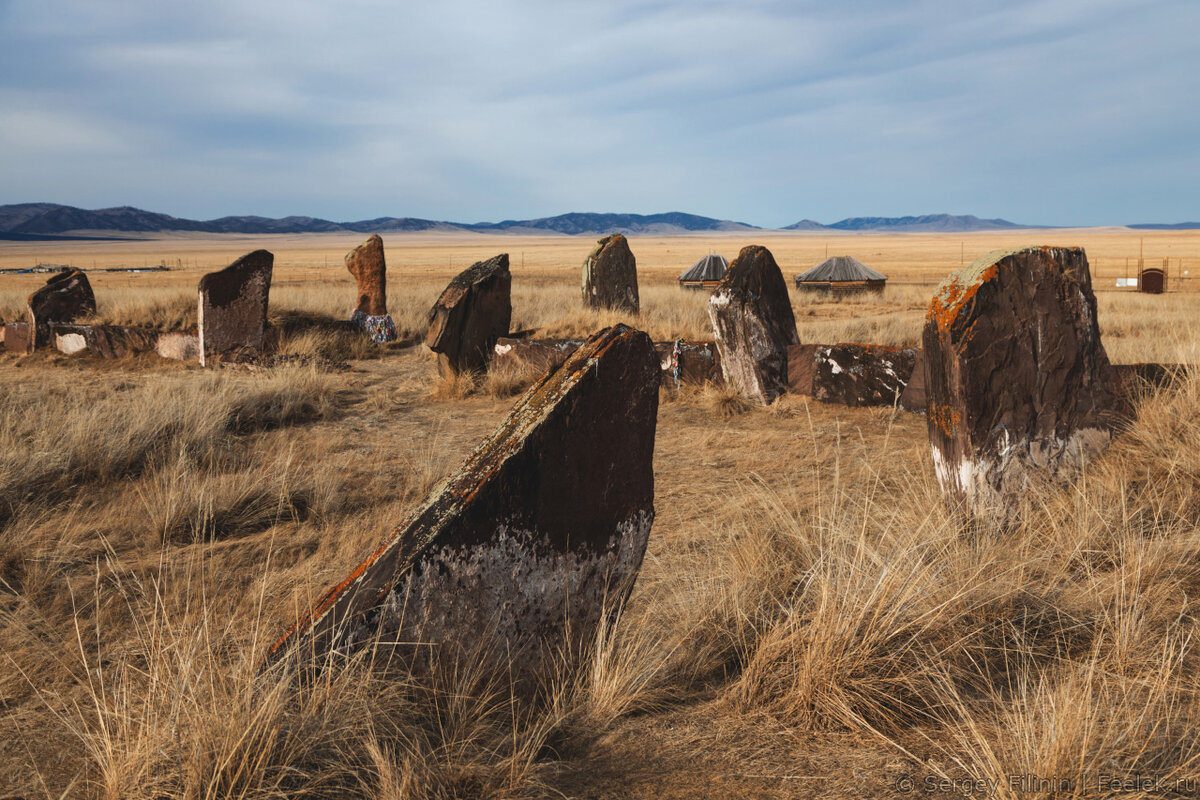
(1061,112)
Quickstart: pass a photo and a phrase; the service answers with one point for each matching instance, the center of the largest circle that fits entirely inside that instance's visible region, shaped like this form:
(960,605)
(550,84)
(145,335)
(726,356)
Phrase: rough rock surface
(861,374)
(689,363)
(105,341)
(232,314)
(754,325)
(66,297)
(367,265)
(531,355)
(545,523)
(178,346)
(610,276)
(16,338)
(913,397)
(1019,386)
(802,362)
(473,312)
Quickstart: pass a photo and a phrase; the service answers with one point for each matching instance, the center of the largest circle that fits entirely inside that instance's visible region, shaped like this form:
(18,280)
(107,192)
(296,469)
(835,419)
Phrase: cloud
(1054,111)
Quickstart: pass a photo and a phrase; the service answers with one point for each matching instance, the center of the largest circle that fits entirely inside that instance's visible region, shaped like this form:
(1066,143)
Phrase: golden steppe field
(809,620)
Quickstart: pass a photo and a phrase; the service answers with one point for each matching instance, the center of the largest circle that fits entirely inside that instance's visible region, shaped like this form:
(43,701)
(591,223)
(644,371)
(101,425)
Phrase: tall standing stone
(1019,389)
(754,325)
(472,313)
(533,539)
(66,297)
(232,314)
(366,263)
(610,276)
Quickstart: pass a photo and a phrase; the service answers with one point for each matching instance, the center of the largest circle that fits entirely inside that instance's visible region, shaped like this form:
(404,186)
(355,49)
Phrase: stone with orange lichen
(1019,388)
(537,536)
(369,268)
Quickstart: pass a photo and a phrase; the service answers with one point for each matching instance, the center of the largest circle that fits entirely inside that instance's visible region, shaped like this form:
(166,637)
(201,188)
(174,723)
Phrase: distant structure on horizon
(841,275)
(705,273)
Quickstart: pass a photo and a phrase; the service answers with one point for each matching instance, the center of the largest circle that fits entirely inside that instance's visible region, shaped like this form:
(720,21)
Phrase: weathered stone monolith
(232,314)
(16,338)
(66,297)
(472,313)
(754,325)
(532,540)
(1019,387)
(610,276)
(861,374)
(366,263)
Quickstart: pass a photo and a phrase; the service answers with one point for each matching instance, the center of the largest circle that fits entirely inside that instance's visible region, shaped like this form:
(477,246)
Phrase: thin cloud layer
(1052,112)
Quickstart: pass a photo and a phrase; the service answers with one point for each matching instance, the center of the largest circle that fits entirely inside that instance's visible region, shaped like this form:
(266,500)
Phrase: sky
(1056,112)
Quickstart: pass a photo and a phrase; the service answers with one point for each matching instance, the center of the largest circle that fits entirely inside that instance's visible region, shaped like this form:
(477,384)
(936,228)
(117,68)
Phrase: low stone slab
(610,276)
(16,338)
(754,325)
(104,341)
(1019,387)
(689,363)
(913,397)
(802,365)
(472,313)
(232,313)
(66,297)
(531,355)
(698,362)
(178,346)
(861,374)
(532,540)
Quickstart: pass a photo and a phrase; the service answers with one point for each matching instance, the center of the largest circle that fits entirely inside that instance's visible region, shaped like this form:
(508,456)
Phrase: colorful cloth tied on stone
(379,329)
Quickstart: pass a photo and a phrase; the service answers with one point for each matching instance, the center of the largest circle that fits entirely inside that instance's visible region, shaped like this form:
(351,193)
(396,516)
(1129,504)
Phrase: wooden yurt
(705,273)
(841,275)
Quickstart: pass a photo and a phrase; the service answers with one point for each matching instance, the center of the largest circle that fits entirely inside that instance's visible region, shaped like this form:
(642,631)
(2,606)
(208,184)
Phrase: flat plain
(808,621)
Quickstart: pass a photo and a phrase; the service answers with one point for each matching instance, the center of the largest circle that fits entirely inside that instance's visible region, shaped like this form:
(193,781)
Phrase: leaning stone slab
(754,325)
(16,338)
(473,312)
(66,297)
(105,341)
(178,346)
(540,532)
(366,263)
(1019,387)
(232,313)
(861,374)
(610,276)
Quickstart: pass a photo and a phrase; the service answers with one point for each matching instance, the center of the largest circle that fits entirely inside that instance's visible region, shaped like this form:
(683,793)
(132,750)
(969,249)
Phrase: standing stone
(610,276)
(861,374)
(754,325)
(532,540)
(1019,387)
(16,338)
(367,265)
(232,313)
(66,297)
(473,311)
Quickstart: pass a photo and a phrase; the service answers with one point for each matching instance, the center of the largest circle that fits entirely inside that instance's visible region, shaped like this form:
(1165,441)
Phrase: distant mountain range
(34,221)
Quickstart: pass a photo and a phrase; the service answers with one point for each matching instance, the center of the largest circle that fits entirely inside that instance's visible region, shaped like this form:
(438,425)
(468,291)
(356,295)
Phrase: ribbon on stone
(379,329)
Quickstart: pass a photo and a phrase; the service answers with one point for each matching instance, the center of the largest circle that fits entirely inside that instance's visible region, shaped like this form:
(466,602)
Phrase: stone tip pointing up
(533,539)
(65,298)
(1018,386)
(232,313)
(366,263)
(472,313)
(754,325)
(610,276)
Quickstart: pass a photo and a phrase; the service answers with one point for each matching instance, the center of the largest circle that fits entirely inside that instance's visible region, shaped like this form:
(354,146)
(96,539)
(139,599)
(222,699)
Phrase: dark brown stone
(610,276)
(105,341)
(531,355)
(861,374)
(801,367)
(540,532)
(233,306)
(15,338)
(698,363)
(1019,386)
(66,297)
(754,325)
(367,265)
(913,397)
(473,312)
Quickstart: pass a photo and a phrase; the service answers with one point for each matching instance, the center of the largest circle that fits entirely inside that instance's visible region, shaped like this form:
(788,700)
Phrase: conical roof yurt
(841,274)
(708,271)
